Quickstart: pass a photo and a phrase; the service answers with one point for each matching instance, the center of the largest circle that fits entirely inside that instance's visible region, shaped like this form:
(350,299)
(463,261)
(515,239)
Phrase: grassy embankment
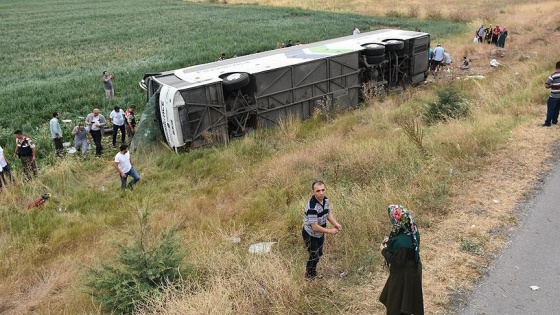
(255,189)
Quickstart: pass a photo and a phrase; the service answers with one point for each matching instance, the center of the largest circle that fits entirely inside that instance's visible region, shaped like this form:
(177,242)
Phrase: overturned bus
(214,102)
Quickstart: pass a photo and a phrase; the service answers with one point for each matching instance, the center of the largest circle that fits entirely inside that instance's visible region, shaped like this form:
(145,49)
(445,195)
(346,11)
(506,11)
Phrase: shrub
(140,272)
(449,105)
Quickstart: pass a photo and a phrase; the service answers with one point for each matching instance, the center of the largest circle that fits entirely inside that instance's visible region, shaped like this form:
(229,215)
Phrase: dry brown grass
(239,283)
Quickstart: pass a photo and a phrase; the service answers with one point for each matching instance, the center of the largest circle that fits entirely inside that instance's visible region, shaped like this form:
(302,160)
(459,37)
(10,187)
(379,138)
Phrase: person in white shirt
(117,119)
(355,30)
(123,165)
(439,54)
(5,171)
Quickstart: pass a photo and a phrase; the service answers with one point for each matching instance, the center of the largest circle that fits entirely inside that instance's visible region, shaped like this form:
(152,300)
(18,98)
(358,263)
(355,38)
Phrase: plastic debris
(261,248)
(234,239)
(534,287)
(40,201)
(71,150)
(66,144)
(496,201)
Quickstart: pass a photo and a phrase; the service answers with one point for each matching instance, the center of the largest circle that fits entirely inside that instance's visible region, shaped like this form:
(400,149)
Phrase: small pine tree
(449,105)
(139,273)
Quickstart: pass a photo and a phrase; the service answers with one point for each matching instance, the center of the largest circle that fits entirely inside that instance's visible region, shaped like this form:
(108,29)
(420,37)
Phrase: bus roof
(260,62)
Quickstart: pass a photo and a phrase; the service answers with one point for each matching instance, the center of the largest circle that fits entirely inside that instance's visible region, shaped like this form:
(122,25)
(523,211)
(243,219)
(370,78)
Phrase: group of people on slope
(438,58)
(402,293)
(92,128)
(496,35)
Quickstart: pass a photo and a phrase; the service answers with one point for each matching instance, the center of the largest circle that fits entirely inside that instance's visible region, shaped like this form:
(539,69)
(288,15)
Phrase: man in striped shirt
(317,213)
(553,102)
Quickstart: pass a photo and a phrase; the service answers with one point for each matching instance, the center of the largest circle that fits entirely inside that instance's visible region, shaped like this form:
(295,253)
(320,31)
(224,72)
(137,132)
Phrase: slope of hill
(462,178)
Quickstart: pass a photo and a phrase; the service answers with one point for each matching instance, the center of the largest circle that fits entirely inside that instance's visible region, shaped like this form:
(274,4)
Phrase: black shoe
(545,125)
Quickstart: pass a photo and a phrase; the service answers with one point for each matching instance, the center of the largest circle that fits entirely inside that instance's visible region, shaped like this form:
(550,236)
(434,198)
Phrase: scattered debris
(343,274)
(479,77)
(496,201)
(234,239)
(39,202)
(534,287)
(261,248)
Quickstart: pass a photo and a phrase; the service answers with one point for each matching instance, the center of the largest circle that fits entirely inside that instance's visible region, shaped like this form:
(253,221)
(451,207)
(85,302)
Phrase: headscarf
(402,222)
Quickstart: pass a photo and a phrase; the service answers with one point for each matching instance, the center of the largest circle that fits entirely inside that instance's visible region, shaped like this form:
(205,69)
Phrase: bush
(140,272)
(449,105)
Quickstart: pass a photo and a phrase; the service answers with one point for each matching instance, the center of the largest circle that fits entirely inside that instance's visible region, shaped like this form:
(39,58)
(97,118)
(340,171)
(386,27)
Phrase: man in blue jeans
(317,213)
(124,167)
(553,102)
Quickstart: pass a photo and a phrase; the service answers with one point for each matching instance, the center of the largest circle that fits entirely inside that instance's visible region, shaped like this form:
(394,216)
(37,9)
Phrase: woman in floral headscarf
(402,293)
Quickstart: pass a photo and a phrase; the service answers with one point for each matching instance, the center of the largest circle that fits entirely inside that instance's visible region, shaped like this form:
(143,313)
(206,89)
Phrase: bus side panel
(203,117)
(344,83)
(297,90)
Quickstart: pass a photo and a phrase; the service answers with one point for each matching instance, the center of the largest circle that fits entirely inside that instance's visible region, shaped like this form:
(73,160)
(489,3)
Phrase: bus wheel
(235,81)
(394,45)
(373,50)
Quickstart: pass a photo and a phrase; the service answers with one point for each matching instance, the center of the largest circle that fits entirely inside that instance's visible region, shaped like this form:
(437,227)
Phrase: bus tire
(235,81)
(394,45)
(375,60)
(373,50)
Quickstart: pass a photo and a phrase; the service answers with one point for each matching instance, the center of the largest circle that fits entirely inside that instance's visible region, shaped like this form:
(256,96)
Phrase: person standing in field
(81,138)
(316,214)
(56,134)
(502,38)
(488,34)
(495,35)
(355,30)
(117,119)
(96,121)
(553,102)
(123,165)
(402,293)
(438,55)
(480,33)
(6,171)
(25,150)
(130,122)
(108,84)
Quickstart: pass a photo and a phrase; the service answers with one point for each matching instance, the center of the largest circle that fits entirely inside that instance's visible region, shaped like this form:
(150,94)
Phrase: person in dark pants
(553,102)
(118,120)
(25,150)
(96,121)
(56,135)
(317,213)
(6,172)
(402,293)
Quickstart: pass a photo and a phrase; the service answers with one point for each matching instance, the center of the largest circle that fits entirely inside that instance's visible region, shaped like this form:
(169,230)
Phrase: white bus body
(211,103)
